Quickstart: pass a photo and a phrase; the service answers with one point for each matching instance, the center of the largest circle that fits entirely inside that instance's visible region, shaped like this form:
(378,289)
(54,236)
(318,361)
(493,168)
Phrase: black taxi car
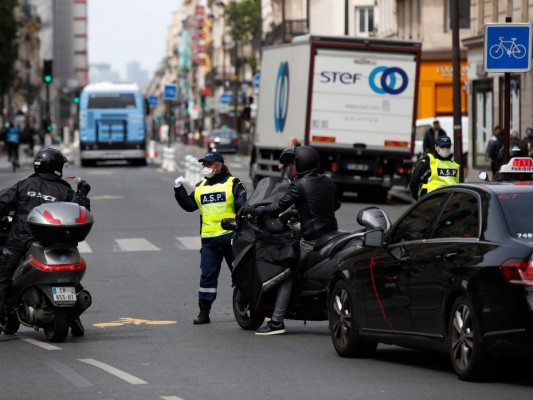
(453,274)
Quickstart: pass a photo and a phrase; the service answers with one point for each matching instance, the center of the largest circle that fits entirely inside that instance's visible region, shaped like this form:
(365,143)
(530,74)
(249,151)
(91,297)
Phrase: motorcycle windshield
(268,190)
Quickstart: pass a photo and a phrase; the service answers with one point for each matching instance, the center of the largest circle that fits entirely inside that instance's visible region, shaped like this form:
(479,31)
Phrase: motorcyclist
(44,186)
(315,197)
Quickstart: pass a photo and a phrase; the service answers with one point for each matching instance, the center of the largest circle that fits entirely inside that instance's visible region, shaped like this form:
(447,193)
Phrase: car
(223,140)
(453,274)
(446,123)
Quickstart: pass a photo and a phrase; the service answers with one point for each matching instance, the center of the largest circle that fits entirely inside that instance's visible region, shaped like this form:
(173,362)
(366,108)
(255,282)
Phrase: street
(143,270)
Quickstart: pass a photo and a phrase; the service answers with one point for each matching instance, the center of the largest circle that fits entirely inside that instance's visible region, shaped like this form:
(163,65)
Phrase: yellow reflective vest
(215,203)
(443,172)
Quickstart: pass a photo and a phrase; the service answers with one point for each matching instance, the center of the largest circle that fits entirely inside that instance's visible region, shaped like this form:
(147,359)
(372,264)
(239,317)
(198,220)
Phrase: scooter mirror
(374,238)
(229,224)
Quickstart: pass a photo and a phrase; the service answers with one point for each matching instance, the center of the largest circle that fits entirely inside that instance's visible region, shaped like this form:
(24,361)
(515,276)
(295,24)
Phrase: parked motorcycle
(267,252)
(46,289)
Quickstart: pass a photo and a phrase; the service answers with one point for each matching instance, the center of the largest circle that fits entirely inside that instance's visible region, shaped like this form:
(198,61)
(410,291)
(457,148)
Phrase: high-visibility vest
(443,172)
(215,203)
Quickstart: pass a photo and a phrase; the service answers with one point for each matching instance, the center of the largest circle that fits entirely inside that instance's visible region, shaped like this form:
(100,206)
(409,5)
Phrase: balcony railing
(285,31)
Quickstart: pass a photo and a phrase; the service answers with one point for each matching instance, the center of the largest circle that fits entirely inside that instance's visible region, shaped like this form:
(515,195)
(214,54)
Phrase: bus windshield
(111,100)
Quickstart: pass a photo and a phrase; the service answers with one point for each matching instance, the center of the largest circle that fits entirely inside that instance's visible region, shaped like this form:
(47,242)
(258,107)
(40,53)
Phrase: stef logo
(281,97)
(392,80)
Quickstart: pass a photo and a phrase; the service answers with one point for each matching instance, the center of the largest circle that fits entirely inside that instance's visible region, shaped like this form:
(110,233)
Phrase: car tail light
(380,170)
(334,168)
(403,171)
(518,272)
(57,267)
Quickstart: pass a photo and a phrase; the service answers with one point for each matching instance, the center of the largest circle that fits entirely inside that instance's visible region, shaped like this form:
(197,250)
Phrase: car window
(224,134)
(460,217)
(417,223)
(516,208)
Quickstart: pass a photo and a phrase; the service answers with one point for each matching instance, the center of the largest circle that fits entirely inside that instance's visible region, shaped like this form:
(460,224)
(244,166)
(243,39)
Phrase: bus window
(111,100)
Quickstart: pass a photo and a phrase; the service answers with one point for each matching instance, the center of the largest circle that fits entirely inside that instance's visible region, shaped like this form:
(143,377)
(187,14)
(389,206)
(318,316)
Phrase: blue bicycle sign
(507,47)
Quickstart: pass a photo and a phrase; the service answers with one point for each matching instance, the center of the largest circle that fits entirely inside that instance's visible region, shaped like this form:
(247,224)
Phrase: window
(464,14)
(460,218)
(515,208)
(364,21)
(416,224)
(110,100)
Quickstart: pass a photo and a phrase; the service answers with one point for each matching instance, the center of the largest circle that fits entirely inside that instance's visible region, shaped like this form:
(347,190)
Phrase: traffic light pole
(48,120)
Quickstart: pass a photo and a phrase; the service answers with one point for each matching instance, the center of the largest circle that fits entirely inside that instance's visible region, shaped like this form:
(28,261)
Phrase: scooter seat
(327,238)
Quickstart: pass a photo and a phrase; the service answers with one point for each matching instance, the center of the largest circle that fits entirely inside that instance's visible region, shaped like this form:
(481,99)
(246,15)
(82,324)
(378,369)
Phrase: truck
(353,99)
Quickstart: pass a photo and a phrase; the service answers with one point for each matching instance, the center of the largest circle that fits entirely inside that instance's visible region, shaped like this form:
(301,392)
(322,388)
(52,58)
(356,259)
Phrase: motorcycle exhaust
(83,303)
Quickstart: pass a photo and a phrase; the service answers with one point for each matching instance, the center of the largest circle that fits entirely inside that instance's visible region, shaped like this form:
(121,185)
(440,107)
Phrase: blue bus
(112,123)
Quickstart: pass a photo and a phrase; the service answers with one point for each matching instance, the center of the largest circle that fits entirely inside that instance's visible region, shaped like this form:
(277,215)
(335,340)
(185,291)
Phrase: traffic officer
(219,195)
(435,169)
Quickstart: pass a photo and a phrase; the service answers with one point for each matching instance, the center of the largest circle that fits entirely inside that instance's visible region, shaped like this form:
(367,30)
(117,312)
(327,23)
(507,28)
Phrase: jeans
(284,291)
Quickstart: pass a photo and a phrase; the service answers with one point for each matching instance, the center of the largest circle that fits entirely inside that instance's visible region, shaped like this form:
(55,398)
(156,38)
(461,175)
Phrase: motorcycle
(46,290)
(267,252)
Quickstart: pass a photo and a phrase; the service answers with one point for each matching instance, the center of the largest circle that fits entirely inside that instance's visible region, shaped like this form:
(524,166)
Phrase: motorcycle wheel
(57,330)
(248,319)
(12,324)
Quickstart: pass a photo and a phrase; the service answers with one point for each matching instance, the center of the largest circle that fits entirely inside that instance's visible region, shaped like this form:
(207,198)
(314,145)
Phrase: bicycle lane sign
(507,47)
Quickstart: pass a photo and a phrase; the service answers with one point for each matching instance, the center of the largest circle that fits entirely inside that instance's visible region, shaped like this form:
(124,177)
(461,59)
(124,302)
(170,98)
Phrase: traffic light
(48,75)
(76,99)
(47,125)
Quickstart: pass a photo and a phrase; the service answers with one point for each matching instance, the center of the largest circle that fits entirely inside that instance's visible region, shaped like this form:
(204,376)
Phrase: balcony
(284,32)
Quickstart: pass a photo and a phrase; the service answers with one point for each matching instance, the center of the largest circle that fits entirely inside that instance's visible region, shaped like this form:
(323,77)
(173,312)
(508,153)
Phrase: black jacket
(315,197)
(31,192)
(428,144)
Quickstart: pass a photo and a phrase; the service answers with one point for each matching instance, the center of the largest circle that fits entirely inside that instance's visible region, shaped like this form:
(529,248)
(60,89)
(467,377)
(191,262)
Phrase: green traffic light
(48,79)
(76,100)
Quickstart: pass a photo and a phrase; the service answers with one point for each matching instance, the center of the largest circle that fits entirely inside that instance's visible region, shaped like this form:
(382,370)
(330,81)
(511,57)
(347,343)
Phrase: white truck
(352,99)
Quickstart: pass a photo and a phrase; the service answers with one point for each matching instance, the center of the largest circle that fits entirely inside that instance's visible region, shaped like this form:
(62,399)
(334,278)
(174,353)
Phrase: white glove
(179,181)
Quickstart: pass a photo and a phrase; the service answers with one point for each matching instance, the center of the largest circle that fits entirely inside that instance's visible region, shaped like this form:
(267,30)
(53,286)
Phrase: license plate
(357,167)
(61,294)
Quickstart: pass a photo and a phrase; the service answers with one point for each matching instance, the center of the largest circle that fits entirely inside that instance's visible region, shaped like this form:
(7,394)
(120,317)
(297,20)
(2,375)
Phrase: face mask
(208,172)
(443,152)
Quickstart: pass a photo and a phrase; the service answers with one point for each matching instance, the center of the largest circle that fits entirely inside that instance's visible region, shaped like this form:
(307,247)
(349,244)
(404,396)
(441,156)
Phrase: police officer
(44,186)
(218,196)
(435,169)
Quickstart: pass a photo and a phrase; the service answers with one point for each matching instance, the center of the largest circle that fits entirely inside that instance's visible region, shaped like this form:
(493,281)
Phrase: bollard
(171,159)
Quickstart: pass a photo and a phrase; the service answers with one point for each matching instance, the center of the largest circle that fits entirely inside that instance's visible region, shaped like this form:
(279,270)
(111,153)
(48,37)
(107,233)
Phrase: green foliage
(246,15)
(8,45)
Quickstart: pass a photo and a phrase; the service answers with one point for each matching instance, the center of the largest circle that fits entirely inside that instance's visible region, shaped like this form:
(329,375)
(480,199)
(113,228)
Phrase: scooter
(267,252)
(46,289)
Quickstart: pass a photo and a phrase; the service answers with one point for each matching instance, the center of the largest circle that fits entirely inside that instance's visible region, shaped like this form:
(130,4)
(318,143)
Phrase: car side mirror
(229,224)
(373,238)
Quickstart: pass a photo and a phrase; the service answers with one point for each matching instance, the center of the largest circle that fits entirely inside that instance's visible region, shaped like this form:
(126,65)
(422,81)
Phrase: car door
(384,273)
(452,246)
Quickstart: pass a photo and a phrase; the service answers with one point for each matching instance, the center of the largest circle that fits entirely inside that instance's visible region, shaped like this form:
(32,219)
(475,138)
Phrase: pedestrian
(315,197)
(44,186)
(13,142)
(527,145)
(434,170)
(219,195)
(493,148)
(431,136)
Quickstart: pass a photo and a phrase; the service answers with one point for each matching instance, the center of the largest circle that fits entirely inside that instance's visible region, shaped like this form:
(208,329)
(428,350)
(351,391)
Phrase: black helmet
(49,160)
(287,156)
(306,159)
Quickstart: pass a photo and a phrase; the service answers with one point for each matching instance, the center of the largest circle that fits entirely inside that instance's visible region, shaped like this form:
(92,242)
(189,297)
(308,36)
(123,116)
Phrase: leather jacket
(315,197)
(31,192)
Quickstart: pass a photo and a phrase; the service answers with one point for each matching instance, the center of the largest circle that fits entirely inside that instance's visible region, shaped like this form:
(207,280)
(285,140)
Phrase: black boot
(203,317)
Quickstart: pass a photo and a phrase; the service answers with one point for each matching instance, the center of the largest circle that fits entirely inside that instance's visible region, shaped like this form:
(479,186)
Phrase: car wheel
(247,318)
(343,326)
(469,359)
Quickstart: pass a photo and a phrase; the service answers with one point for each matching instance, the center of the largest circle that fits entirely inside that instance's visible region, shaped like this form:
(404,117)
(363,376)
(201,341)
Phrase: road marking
(136,245)
(133,321)
(190,242)
(107,197)
(83,247)
(69,374)
(97,173)
(114,371)
(46,346)
(171,398)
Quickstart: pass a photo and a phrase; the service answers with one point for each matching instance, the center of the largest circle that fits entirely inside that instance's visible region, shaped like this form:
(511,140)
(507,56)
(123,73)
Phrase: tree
(8,44)
(245,19)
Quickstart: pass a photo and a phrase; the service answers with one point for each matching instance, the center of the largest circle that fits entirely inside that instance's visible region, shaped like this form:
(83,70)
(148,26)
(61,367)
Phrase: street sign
(225,98)
(507,47)
(170,92)
(152,101)
(256,81)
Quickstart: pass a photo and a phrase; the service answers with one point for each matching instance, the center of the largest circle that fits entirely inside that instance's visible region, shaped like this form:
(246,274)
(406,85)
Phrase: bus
(112,124)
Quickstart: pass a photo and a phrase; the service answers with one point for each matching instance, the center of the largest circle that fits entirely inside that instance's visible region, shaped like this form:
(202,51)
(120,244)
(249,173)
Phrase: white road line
(83,247)
(69,374)
(171,398)
(46,346)
(136,245)
(190,242)
(114,371)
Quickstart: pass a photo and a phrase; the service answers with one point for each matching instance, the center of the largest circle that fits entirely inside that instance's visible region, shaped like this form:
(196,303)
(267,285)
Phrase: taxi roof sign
(518,165)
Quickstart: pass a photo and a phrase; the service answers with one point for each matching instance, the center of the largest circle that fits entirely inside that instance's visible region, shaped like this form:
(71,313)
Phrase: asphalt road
(143,271)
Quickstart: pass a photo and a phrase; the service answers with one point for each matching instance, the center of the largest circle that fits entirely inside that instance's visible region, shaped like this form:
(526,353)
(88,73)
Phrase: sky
(122,31)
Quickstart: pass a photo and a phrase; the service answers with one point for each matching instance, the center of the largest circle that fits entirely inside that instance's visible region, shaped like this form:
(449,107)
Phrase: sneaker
(271,328)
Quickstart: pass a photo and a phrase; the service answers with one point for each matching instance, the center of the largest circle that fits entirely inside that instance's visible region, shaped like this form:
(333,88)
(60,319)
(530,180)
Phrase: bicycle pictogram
(509,47)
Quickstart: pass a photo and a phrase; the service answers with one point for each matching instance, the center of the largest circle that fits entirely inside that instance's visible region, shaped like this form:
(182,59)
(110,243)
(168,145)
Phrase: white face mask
(444,152)
(208,172)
